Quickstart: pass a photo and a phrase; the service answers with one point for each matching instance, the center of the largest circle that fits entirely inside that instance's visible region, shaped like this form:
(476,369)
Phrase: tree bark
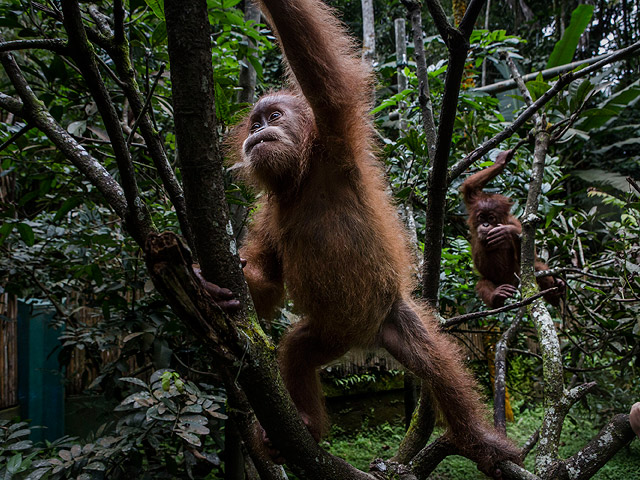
(248,75)
(368,32)
(199,154)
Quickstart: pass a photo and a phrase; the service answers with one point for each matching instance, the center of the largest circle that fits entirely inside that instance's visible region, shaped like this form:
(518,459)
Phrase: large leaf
(26,233)
(611,107)
(157,6)
(602,177)
(566,47)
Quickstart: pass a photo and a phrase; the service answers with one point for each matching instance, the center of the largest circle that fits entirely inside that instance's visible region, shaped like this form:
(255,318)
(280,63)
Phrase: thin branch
(457,45)
(152,138)
(556,271)
(138,218)
(57,45)
(515,74)
(15,136)
(424,94)
(247,423)
(633,183)
(439,19)
(58,307)
(529,444)
(11,104)
(102,21)
(118,20)
(146,105)
(547,74)
(453,321)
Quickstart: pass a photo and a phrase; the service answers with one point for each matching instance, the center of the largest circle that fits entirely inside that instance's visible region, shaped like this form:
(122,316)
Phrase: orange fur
(328,230)
(498,264)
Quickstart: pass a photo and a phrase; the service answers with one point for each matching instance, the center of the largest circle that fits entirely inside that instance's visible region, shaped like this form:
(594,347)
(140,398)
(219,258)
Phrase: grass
(359,448)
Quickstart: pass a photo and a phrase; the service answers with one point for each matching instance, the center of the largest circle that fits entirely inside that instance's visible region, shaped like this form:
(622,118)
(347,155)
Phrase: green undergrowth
(359,448)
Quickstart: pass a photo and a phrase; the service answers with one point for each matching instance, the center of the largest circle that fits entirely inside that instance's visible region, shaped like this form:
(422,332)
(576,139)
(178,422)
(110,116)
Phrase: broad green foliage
(157,429)
(565,48)
(59,240)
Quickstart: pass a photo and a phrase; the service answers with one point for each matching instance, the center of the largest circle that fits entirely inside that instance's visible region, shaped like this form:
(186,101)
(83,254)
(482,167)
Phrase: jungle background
(111,340)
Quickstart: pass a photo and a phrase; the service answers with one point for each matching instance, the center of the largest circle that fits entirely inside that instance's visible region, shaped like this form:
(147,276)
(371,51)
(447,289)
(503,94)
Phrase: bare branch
(141,108)
(499,395)
(15,136)
(453,321)
(609,441)
(145,107)
(440,19)
(102,21)
(11,104)
(424,94)
(57,45)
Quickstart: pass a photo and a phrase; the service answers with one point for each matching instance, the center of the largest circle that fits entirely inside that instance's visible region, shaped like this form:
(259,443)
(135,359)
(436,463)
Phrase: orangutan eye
(255,127)
(274,116)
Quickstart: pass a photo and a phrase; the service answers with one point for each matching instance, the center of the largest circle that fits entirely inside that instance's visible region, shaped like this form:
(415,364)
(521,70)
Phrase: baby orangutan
(328,230)
(495,240)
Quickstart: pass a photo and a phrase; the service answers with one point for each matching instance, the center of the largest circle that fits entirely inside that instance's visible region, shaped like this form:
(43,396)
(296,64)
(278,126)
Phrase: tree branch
(414,8)
(547,335)
(420,429)
(199,152)
(57,45)
(440,20)
(499,391)
(585,463)
(470,16)
(457,45)
(120,55)
(138,219)
(453,321)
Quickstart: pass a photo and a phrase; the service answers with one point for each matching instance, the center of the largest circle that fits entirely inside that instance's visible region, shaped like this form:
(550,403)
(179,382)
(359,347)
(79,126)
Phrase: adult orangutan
(327,229)
(495,240)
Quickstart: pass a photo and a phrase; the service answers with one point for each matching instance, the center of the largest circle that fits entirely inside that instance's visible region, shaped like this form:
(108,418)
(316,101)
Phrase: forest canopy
(116,175)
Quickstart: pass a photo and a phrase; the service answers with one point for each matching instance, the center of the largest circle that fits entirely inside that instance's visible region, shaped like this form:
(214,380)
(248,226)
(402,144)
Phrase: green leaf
(166,381)
(222,103)
(159,35)
(157,6)
(77,128)
(5,230)
(583,90)
(68,205)
(537,88)
(566,47)
(14,463)
(602,177)
(26,233)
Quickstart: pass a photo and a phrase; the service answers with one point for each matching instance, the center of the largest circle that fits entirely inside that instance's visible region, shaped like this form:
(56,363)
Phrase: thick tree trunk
(198,143)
